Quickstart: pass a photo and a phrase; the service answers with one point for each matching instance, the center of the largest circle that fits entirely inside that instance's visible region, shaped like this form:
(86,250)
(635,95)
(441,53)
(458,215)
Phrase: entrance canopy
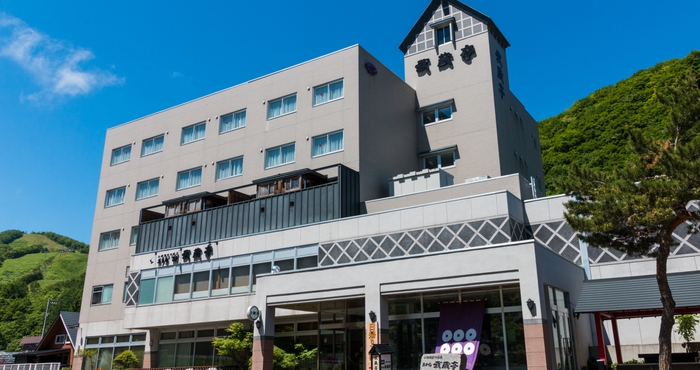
(635,296)
(638,296)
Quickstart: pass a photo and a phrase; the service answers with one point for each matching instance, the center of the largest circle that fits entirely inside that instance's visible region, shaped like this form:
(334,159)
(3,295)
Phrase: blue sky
(71,69)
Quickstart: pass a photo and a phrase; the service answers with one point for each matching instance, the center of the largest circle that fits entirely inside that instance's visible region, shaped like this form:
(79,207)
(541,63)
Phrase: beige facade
(461,118)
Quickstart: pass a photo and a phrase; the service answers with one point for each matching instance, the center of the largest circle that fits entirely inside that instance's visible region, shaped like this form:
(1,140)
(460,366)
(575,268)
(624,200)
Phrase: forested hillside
(592,132)
(34,268)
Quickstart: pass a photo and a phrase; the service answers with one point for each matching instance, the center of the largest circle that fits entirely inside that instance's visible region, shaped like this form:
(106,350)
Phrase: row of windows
(149,146)
(228,122)
(220,277)
(275,156)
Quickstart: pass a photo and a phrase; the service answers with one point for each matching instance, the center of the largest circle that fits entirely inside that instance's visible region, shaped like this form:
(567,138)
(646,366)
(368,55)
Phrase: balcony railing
(324,202)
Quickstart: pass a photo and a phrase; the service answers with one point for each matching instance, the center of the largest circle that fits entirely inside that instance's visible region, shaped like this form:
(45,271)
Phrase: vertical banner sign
(460,329)
(371,340)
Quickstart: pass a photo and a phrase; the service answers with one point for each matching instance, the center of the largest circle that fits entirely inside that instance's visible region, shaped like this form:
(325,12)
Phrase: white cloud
(55,65)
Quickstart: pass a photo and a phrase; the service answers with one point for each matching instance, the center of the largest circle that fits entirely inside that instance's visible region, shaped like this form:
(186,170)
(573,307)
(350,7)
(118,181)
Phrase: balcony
(277,202)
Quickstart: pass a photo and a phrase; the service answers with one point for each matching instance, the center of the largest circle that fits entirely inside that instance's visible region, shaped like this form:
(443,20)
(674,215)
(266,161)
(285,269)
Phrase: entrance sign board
(448,361)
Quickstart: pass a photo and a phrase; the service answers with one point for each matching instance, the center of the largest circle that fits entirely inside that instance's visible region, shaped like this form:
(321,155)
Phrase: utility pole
(46,314)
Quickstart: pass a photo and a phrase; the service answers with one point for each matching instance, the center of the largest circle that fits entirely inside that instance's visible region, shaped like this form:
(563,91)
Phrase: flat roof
(234,86)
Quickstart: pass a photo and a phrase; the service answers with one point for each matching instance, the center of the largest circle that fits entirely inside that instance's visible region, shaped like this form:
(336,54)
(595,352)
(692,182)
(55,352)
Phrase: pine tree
(636,209)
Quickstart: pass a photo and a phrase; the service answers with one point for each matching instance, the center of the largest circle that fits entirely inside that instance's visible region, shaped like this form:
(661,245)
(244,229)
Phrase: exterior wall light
(372,316)
(530,303)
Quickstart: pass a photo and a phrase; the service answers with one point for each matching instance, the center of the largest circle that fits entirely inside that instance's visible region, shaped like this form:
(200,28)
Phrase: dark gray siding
(316,204)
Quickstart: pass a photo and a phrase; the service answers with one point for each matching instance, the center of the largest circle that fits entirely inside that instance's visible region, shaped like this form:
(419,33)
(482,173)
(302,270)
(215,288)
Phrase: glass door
(331,349)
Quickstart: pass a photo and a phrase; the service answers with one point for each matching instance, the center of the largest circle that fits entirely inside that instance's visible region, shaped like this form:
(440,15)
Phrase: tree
(89,355)
(686,328)
(238,346)
(636,208)
(290,360)
(125,360)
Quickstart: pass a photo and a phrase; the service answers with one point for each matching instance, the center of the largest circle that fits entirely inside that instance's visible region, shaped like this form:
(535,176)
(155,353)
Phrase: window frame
(123,198)
(177,179)
(233,119)
(101,295)
(328,85)
(282,99)
(143,146)
(230,161)
(100,246)
(111,160)
(327,136)
(436,111)
(62,337)
(134,235)
(280,147)
(450,34)
(147,182)
(194,131)
(439,155)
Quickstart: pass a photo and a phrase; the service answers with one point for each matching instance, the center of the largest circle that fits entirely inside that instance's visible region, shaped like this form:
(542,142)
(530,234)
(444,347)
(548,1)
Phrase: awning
(638,296)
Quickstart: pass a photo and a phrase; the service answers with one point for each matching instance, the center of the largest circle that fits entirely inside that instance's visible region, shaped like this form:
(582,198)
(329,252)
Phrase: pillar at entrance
(535,346)
(264,339)
(377,331)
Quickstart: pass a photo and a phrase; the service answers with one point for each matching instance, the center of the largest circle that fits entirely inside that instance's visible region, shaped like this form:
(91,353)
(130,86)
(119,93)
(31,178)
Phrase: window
(60,339)
(189,178)
(146,189)
(229,168)
(219,281)
(231,121)
(437,115)
(193,133)
(152,145)
(109,240)
(439,160)
(279,155)
(133,238)
(115,196)
(240,279)
(121,155)
(328,92)
(182,286)
(281,106)
(101,294)
(327,143)
(444,35)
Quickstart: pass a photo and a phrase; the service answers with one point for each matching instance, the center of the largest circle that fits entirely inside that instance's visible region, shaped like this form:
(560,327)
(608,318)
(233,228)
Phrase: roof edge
(234,86)
(459,5)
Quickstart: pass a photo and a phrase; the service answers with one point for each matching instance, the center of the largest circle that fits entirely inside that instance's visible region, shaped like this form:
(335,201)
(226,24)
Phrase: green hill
(592,131)
(34,268)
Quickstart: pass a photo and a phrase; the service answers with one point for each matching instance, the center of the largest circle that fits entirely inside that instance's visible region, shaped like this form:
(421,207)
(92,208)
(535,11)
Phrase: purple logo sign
(460,329)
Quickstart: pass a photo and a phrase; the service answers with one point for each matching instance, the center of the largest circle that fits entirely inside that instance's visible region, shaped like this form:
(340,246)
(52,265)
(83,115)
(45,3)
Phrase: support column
(601,340)
(616,338)
(77,363)
(536,345)
(376,332)
(150,360)
(264,339)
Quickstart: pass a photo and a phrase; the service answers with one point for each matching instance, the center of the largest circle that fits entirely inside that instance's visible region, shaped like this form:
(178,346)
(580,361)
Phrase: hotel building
(333,192)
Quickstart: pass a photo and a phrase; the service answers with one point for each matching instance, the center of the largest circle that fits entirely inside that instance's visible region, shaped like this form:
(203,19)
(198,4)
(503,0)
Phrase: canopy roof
(638,296)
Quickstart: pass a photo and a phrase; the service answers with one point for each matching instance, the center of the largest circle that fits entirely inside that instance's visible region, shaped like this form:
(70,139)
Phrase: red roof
(30,340)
